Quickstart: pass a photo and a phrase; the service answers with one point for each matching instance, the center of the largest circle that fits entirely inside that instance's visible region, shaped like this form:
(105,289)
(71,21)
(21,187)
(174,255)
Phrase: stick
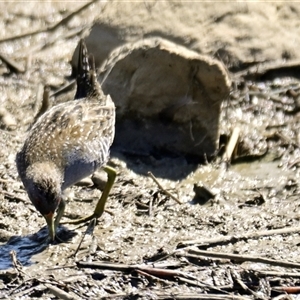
(162,189)
(16,264)
(155,278)
(262,68)
(200,296)
(200,284)
(105,265)
(162,272)
(235,276)
(237,257)
(150,207)
(51,28)
(278,274)
(50,41)
(60,294)
(45,103)
(72,14)
(12,65)
(128,268)
(287,289)
(234,239)
(91,225)
(231,144)
(66,88)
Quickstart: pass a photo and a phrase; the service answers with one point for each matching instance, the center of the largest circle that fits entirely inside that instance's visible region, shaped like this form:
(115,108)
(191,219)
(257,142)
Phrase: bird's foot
(80,221)
(56,240)
(48,240)
(111,176)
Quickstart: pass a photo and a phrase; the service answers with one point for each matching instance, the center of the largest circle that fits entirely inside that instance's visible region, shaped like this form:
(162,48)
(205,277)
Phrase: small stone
(99,179)
(7,121)
(86,182)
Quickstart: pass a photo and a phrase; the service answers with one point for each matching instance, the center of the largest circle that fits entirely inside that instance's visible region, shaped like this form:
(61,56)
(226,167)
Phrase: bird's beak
(50,222)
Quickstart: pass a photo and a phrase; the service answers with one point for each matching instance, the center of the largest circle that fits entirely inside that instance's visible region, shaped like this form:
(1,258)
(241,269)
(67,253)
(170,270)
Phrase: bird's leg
(52,225)
(111,176)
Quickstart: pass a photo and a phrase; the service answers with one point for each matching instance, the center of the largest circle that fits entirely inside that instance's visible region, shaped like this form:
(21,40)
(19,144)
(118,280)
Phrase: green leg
(111,177)
(52,225)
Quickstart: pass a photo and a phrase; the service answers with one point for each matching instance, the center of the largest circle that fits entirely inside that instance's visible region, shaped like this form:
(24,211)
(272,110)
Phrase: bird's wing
(79,128)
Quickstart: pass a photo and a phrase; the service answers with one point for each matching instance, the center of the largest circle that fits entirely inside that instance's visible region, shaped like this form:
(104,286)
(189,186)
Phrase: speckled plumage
(68,142)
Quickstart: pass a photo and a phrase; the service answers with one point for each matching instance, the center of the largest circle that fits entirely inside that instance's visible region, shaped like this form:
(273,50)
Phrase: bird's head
(43,185)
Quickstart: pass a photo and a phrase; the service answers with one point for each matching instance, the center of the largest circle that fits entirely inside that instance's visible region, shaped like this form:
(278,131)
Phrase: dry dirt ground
(235,239)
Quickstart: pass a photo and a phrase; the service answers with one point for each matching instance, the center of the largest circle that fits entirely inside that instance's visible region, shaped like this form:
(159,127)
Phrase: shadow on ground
(27,246)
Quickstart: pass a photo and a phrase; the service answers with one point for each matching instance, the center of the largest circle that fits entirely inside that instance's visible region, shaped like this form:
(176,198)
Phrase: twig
(66,88)
(286,139)
(17,265)
(91,225)
(93,245)
(234,239)
(200,296)
(191,282)
(151,272)
(53,27)
(57,292)
(50,41)
(162,272)
(237,257)
(162,189)
(19,269)
(278,274)
(6,180)
(22,292)
(238,279)
(105,265)
(256,71)
(74,13)
(141,205)
(109,212)
(157,269)
(196,282)
(287,289)
(206,259)
(12,65)
(150,207)
(155,278)
(231,144)
(283,297)
(45,103)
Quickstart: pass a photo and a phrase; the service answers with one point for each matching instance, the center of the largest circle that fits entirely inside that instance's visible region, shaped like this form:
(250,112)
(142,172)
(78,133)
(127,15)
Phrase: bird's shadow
(27,246)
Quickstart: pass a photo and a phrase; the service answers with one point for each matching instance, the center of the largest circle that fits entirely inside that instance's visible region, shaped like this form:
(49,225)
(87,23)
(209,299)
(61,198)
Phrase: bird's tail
(87,84)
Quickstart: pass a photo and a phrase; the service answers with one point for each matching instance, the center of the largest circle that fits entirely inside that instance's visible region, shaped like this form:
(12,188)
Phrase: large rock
(168,98)
(237,32)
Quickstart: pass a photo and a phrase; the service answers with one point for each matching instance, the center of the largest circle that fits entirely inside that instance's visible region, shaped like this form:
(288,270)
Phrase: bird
(67,143)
